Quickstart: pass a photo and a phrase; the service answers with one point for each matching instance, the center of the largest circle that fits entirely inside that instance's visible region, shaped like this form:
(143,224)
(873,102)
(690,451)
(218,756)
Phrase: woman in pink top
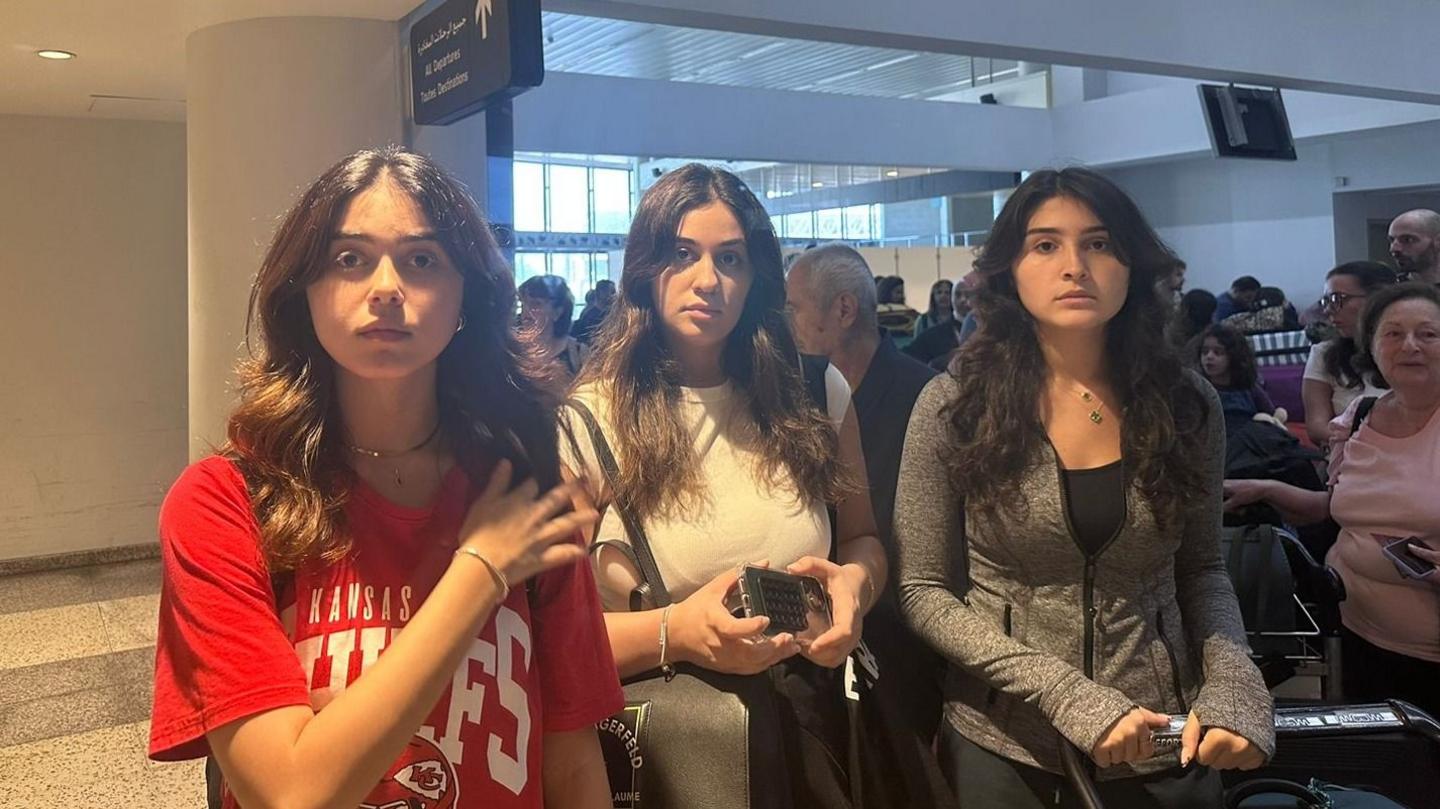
(1383,480)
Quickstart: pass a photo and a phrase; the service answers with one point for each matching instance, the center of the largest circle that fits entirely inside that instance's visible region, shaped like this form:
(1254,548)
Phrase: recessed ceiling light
(53,54)
(892,173)
(817,184)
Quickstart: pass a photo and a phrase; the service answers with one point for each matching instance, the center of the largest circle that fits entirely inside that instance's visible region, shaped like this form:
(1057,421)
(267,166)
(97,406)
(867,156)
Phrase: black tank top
(1095,500)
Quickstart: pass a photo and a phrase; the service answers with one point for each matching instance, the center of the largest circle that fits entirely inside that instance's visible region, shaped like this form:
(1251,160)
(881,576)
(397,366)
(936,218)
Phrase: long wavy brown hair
(286,435)
(995,424)
(641,379)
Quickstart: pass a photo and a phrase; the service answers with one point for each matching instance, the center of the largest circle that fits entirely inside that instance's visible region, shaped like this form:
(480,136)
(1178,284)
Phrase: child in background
(1226,359)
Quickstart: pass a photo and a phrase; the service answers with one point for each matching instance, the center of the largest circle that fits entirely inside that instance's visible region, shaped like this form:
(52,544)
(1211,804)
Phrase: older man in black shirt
(830,294)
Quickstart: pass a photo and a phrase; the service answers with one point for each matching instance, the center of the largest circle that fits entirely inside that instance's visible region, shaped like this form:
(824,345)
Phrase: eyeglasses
(1335,300)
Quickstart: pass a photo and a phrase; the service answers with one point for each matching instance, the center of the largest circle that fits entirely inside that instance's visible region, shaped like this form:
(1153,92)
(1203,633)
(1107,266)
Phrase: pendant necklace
(1095,405)
(376,453)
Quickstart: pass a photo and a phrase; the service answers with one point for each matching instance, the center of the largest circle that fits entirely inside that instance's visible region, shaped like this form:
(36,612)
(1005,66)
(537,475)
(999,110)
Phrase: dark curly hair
(996,432)
(1243,373)
(1341,355)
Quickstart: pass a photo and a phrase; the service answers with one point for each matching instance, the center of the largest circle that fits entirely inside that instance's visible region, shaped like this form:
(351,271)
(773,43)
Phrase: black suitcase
(1391,748)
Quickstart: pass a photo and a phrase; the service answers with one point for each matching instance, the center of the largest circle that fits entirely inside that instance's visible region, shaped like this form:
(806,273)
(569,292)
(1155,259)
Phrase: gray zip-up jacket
(1048,640)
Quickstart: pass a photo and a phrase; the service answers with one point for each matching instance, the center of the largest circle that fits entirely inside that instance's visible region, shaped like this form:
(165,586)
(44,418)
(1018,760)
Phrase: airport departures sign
(467,54)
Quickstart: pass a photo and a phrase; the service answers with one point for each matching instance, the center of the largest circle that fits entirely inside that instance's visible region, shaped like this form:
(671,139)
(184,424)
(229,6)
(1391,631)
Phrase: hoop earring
(461,326)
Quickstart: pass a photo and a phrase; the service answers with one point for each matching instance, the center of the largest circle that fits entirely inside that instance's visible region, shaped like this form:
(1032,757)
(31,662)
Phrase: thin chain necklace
(1095,405)
(378,454)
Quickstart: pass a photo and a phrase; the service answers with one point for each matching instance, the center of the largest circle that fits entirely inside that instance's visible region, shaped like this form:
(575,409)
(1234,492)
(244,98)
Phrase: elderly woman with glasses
(1332,381)
(1384,470)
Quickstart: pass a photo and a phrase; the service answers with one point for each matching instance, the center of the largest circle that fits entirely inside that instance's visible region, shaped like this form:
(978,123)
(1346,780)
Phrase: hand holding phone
(703,630)
(1401,552)
(794,604)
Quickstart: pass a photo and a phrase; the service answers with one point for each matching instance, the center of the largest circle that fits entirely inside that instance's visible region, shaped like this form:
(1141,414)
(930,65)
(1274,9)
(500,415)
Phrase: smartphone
(795,604)
(1397,550)
(1169,738)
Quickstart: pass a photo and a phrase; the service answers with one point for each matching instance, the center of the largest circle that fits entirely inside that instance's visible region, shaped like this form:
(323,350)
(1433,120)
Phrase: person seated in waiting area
(1384,473)
(1239,298)
(1226,359)
(1195,311)
(1058,519)
(1269,312)
(896,318)
(1332,378)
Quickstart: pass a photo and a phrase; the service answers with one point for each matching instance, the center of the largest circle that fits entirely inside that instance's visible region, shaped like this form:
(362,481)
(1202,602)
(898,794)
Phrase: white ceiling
(575,44)
(131,54)
(128,49)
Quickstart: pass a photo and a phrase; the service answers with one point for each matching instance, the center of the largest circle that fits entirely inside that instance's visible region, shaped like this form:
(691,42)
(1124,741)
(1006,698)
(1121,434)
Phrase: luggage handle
(1075,769)
(1271,786)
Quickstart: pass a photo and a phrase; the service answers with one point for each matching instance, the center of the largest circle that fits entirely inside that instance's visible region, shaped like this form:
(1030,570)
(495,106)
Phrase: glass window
(857,222)
(529,196)
(575,269)
(529,265)
(569,199)
(799,225)
(877,221)
(828,224)
(612,200)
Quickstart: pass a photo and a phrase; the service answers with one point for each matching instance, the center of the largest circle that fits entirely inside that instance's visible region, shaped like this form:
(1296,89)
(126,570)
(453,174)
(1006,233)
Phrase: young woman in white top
(1331,380)
(723,455)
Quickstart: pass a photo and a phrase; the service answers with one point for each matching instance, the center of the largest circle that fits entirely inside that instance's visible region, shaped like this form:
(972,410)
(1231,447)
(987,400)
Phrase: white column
(271,103)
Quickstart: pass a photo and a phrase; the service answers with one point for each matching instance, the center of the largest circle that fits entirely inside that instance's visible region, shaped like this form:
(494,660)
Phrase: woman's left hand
(1219,749)
(844,585)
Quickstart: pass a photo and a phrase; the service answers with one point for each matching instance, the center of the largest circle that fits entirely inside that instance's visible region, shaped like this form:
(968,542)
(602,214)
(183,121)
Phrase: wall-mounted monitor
(1247,122)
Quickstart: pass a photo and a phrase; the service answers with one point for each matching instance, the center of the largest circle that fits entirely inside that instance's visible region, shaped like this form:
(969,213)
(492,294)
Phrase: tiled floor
(75,673)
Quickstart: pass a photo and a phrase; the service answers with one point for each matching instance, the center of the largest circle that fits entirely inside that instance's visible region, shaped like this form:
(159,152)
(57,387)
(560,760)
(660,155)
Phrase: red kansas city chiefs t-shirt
(540,664)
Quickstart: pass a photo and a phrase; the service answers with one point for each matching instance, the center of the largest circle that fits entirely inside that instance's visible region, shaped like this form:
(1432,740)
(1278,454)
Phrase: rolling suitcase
(1382,755)
(1391,749)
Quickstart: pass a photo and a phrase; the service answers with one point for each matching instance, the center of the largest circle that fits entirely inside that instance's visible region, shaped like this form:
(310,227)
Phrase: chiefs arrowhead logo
(425,777)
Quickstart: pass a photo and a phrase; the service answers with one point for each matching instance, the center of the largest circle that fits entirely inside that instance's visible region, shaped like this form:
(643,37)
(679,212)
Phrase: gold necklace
(378,453)
(1095,405)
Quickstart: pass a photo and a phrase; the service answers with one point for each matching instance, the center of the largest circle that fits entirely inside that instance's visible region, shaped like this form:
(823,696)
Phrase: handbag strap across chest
(651,585)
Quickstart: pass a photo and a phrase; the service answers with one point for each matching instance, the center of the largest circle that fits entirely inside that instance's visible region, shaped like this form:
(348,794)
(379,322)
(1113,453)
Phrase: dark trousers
(1373,674)
(984,780)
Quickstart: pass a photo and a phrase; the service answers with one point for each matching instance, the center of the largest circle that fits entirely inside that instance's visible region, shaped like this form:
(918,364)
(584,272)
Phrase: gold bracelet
(500,580)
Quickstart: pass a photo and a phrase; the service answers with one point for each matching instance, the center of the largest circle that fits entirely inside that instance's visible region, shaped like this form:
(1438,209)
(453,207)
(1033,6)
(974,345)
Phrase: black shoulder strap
(813,368)
(651,583)
(1361,411)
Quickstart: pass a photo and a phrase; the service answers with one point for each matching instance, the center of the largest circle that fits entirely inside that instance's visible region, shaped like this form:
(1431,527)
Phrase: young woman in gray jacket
(1058,517)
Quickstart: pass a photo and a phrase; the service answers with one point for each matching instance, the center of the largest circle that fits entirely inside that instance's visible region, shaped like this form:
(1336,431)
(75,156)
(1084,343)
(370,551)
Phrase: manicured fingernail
(1184,759)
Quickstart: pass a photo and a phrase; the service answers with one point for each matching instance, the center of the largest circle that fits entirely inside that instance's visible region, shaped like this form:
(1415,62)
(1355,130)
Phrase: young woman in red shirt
(388,468)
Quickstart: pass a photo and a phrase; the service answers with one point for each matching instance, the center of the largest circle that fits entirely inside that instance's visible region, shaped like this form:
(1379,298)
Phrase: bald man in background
(1415,245)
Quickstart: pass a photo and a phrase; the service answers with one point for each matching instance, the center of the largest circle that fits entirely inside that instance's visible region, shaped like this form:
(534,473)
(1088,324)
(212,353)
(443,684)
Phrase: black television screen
(1246,122)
